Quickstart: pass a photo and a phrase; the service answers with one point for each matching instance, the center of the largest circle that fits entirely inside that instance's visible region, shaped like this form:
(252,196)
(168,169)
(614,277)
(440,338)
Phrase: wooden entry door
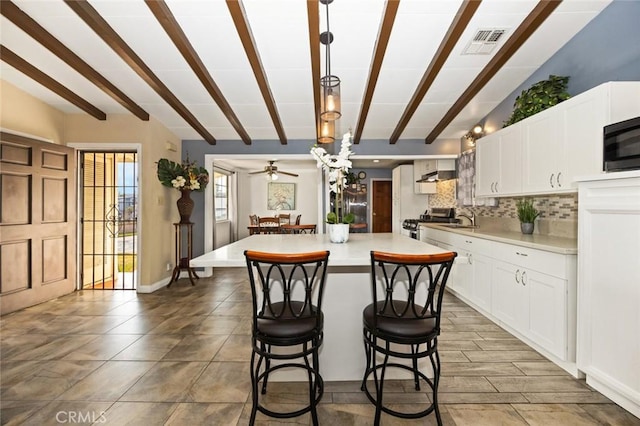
(381,206)
(37,221)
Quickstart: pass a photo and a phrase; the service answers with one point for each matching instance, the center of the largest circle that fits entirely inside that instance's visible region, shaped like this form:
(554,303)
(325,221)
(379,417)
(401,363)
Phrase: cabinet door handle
(492,191)
(558,179)
(470,257)
(518,276)
(551,180)
(496,187)
(524,276)
(522,254)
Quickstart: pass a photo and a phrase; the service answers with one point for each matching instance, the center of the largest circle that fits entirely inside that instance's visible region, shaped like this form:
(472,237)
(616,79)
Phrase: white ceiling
(281,34)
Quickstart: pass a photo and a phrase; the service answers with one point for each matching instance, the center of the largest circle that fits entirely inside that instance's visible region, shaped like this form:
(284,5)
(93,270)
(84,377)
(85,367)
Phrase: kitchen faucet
(471,218)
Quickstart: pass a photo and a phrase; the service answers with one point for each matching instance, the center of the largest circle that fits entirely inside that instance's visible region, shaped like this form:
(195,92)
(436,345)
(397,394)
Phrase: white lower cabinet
(547,311)
(510,301)
(482,291)
(529,291)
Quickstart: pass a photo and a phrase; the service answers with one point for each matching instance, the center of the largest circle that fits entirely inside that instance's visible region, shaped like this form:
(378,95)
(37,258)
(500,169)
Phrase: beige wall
(157,203)
(22,113)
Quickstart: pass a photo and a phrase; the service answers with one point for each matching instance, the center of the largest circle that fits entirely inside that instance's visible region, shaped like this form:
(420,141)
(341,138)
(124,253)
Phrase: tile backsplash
(559,212)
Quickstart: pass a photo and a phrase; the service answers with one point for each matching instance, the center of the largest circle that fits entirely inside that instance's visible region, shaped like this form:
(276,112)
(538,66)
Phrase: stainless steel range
(411,228)
(440,215)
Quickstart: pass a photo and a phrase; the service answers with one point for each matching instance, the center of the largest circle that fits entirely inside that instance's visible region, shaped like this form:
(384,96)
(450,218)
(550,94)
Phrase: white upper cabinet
(499,163)
(554,146)
(543,163)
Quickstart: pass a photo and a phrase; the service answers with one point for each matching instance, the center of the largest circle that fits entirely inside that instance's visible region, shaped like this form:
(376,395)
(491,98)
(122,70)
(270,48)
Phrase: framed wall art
(281,196)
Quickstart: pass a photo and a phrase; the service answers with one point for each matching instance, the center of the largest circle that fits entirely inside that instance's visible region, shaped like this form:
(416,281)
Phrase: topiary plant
(540,96)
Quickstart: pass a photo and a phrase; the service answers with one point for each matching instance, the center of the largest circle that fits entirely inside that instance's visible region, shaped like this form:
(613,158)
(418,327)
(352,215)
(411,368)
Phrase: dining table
(309,228)
(346,293)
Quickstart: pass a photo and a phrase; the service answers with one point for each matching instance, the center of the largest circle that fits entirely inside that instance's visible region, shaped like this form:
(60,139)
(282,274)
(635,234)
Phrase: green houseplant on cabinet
(527,214)
(540,96)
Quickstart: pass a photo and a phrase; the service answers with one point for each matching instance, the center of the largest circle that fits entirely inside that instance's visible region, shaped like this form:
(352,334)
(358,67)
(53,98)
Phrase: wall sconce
(475,133)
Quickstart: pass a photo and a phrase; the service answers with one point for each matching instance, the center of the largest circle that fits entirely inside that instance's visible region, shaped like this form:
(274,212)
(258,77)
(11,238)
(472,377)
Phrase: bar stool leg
(267,366)
(416,379)
(436,381)
(255,371)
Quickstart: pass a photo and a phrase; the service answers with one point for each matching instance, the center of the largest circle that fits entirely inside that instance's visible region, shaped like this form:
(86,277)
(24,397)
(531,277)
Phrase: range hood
(438,175)
(439,170)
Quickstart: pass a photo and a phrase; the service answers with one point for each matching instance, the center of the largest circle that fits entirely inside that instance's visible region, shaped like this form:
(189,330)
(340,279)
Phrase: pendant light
(327,131)
(329,84)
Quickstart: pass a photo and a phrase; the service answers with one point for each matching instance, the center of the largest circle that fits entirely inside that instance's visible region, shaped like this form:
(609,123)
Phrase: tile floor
(180,356)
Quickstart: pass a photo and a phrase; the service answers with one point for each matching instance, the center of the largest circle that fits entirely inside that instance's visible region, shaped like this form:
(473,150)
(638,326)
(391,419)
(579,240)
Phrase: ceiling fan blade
(287,173)
(255,173)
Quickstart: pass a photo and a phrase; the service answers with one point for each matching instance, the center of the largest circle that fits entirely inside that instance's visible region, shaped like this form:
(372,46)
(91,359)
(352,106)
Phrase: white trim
(96,147)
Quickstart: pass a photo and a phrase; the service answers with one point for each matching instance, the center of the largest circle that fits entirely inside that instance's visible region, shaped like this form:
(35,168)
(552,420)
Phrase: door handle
(551,180)
(524,275)
(518,276)
(558,179)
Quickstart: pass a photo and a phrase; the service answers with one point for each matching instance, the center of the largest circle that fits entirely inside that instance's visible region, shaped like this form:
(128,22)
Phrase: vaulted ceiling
(249,70)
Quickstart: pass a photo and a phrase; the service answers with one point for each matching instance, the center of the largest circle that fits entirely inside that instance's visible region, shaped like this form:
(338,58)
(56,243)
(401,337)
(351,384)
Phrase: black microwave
(622,146)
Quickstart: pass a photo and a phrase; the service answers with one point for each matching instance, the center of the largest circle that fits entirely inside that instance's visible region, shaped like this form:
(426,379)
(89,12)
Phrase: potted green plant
(540,96)
(527,214)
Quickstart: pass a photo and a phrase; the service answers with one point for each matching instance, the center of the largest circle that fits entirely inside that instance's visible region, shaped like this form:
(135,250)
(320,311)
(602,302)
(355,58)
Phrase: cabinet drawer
(546,262)
(471,244)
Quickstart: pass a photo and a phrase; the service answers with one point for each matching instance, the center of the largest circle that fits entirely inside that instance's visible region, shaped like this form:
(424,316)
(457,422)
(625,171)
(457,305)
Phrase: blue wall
(606,49)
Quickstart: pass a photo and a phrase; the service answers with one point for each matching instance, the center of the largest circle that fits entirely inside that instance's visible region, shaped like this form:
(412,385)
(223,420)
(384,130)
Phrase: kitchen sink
(457,226)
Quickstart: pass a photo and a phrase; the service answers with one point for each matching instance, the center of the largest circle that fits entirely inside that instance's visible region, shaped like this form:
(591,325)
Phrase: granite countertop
(541,242)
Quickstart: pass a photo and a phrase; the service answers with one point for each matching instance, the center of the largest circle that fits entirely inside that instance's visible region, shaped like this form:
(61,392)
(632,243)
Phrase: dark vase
(526,228)
(185,206)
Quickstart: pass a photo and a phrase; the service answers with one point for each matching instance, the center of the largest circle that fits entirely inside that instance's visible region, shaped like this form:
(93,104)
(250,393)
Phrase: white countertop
(535,241)
(355,252)
(609,176)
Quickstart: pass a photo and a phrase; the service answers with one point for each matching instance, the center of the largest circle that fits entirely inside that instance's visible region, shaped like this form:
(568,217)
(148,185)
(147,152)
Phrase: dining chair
(287,292)
(403,323)
(253,219)
(268,225)
(284,218)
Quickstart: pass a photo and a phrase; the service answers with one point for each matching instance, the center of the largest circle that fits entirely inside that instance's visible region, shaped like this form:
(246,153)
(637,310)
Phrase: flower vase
(185,206)
(338,232)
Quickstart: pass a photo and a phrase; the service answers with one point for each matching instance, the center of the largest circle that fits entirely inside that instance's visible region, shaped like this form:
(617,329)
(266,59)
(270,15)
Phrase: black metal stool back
(404,320)
(287,292)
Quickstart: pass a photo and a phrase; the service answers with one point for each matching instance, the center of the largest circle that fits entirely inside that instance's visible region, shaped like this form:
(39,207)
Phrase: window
(221,195)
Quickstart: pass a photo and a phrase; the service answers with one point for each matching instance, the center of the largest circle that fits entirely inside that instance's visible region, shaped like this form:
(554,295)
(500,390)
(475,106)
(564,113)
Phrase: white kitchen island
(347,289)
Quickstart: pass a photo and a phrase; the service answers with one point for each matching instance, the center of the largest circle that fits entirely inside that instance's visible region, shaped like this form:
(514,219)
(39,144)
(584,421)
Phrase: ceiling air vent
(484,41)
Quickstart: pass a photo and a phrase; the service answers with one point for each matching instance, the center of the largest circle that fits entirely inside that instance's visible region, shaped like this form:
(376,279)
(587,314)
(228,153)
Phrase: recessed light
(376,161)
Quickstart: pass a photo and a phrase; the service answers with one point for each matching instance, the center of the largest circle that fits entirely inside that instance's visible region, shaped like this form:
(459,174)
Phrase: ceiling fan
(272,171)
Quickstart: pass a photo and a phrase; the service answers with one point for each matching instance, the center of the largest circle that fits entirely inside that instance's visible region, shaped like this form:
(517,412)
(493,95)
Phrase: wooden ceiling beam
(92,18)
(390,11)
(244,31)
(313,19)
(23,21)
(29,70)
(458,25)
(171,26)
(536,17)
